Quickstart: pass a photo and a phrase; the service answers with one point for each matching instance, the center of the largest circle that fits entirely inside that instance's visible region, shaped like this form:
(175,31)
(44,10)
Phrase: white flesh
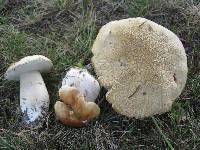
(84,82)
(34,97)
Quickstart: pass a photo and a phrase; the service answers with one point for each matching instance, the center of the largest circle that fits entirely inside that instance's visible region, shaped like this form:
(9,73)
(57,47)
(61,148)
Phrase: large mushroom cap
(142,64)
(26,64)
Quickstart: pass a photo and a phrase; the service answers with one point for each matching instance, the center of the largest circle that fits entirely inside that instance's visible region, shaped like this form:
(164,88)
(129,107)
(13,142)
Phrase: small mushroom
(34,97)
(142,64)
(67,116)
(78,93)
(83,81)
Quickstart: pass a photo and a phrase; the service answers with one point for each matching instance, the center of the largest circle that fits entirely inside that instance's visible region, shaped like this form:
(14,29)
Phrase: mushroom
(67,116)
(142,64)
(78,93)
(83,81)
(34,97)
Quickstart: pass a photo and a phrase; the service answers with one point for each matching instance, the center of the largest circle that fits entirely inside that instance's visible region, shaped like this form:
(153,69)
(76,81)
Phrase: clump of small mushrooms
(34,97)
(142,64)
(78,92)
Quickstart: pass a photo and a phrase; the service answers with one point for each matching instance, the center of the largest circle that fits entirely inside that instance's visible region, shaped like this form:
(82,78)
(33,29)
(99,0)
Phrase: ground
(64,31)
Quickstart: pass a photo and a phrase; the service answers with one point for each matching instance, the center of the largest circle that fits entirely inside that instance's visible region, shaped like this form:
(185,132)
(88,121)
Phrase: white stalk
(34,97)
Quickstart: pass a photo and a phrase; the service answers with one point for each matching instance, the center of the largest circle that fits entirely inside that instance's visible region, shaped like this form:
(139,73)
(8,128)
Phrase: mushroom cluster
(34,97)
(78,92)
(142,64)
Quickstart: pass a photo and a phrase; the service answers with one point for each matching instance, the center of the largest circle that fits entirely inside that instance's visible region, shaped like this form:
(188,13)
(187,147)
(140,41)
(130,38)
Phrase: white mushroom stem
(34,98)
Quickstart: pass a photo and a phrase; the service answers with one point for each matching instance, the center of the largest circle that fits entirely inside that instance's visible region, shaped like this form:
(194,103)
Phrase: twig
(135,91)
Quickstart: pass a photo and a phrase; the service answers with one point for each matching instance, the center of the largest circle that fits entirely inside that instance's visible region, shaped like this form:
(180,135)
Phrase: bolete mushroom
(34,97)
(78,93)
(142,64)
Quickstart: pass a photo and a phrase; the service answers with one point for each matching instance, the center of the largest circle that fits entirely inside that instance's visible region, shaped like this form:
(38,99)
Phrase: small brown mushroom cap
(142,64)
(75,110)
(67,116)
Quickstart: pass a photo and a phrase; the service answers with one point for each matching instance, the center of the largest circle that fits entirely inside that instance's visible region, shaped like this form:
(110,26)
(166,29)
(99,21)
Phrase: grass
(64,31)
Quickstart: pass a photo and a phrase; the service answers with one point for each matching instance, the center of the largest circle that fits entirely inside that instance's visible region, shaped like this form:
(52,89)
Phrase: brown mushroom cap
(85,110)
(67,116)
(142,64)
(75,110)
